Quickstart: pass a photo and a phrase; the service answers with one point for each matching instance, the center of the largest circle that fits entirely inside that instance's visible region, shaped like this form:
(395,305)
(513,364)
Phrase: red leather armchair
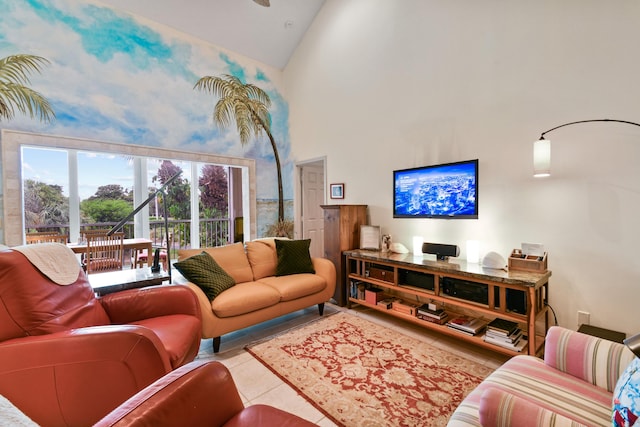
(198,394)
(68,358)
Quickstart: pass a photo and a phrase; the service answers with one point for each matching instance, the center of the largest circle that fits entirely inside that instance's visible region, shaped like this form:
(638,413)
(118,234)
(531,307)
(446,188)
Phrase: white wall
(379,85)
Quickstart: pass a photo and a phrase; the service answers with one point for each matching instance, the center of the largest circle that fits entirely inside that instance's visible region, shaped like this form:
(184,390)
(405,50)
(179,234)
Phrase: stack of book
(357,289)
(438,316)
(505,333)
(467,325)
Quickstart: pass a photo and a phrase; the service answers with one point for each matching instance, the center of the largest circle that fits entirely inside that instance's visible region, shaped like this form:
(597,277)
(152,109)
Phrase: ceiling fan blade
(264,3)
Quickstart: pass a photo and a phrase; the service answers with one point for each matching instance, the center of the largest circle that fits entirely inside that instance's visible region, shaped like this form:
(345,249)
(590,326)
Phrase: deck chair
(142,258)
(104,252)
(45,236)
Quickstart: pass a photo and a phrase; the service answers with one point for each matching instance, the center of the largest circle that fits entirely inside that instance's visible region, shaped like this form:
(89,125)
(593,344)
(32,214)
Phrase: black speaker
(441,250)
(416,279)
(516,301)
(464,289)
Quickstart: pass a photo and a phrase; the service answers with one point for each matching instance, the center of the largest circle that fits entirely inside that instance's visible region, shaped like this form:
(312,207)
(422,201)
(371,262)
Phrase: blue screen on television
(440,191)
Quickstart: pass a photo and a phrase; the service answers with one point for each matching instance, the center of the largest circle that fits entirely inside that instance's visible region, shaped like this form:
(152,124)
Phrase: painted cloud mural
(120,78)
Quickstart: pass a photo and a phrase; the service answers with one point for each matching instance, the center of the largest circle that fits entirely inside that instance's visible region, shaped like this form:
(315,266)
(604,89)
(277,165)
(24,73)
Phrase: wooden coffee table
(114,281)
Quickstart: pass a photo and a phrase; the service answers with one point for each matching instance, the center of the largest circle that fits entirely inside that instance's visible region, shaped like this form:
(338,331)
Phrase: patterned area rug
(362,374)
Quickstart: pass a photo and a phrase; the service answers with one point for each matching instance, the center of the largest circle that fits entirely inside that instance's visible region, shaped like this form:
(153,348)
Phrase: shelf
(475,339)
(459,302)
(461,289)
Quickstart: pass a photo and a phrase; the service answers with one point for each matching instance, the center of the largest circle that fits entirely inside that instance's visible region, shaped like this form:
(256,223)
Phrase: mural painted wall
(116,77)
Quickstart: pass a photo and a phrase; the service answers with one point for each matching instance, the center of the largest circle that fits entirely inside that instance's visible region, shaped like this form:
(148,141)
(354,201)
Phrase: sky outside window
(97,169)
(46,165)
(94,169)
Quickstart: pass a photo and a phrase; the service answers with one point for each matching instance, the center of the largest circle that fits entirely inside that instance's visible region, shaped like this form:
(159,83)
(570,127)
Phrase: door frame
(299,189)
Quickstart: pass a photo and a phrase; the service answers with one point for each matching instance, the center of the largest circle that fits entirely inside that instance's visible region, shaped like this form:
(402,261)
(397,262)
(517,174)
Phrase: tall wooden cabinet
(341,233)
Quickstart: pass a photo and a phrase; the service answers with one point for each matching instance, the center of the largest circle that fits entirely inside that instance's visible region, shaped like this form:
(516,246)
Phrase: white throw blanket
(54,260)
(12,416)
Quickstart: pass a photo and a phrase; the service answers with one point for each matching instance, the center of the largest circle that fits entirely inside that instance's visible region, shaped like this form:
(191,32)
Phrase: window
(138,166)
(45,191)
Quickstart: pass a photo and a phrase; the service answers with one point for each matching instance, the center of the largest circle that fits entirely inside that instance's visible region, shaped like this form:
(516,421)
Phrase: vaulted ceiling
(267,34)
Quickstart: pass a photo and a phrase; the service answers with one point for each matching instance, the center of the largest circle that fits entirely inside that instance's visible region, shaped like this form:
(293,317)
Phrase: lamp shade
(417,245)
(542,158)
(473,251)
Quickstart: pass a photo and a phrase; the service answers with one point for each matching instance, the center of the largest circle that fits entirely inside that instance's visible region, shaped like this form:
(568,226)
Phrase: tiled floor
(258,384)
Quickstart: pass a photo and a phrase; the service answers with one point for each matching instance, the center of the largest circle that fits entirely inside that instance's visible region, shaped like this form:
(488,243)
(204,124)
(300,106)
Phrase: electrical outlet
(583,317)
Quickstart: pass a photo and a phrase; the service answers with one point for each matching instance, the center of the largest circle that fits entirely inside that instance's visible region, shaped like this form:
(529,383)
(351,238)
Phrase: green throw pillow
(205,272)
(293,257)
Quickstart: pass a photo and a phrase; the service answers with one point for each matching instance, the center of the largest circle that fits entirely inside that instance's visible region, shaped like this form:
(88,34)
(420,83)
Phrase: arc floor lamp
(542,147)
(121,224)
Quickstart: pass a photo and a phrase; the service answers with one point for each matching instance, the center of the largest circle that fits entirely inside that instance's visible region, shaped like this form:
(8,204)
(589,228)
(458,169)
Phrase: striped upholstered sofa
(572,386)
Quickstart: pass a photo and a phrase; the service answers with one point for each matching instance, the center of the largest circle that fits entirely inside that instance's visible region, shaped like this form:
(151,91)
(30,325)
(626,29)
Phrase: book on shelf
(442,316)
(425,310)
(502,326)
(357,289)
(467,324)
(462,331)
(439,316)
(509,339)
(516,346)
(438,321)
(360,289)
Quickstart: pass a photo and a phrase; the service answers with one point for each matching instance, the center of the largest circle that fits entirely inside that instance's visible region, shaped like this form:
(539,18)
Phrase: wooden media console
(458,287)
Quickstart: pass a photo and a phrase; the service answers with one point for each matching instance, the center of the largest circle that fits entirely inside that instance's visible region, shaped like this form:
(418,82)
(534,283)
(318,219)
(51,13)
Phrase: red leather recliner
(200,394)
(68,358)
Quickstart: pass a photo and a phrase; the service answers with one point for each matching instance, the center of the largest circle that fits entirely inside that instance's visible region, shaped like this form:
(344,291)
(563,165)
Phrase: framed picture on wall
(336,191)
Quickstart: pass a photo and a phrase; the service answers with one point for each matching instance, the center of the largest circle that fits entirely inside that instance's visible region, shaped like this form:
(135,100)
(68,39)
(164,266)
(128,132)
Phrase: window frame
(12,182)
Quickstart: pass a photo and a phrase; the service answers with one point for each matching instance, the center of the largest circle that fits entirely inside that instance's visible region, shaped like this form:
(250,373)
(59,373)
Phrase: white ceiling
(267,34)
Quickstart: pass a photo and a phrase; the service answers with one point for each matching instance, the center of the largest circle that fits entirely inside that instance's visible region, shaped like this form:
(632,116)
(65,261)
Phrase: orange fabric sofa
(67,358)
(258,294)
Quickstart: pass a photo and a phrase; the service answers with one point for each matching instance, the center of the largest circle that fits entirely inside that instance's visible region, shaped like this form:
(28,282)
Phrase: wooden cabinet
(342,232)
(457,287)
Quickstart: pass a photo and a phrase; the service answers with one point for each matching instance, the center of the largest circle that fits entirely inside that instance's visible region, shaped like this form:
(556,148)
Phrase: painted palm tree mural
(114,77)
(248,105)
(15,94)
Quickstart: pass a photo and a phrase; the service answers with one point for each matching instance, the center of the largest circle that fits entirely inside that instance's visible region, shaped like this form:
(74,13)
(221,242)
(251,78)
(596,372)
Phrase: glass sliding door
(175,200)
(68,184)
(105,190)
(214,190)
(45,190)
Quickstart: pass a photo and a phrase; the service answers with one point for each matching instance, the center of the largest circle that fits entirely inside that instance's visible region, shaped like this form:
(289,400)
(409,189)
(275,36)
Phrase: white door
(312,197)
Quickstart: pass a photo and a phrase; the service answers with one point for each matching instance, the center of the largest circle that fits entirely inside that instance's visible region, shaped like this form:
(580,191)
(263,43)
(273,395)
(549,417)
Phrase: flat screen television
(447,190)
